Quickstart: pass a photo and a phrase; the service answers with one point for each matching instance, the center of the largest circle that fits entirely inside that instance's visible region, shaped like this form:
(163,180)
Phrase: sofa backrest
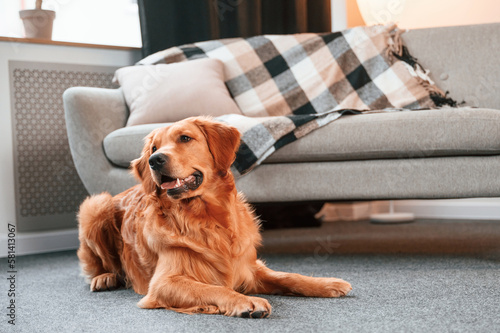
(463,60)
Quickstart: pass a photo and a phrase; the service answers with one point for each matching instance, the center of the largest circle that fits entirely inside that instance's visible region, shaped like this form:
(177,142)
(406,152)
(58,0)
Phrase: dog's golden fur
(185,238)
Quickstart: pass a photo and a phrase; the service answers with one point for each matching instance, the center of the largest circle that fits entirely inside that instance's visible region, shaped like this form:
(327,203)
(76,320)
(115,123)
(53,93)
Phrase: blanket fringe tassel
(400,51)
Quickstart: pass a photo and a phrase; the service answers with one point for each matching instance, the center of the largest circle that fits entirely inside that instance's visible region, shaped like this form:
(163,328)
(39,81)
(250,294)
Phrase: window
(109,22)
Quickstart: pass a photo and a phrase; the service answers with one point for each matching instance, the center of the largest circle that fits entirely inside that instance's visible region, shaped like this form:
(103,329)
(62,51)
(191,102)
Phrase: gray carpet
(398,287)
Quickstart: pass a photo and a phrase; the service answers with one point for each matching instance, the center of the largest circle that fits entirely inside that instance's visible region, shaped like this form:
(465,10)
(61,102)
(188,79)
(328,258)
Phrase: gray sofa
(449,153)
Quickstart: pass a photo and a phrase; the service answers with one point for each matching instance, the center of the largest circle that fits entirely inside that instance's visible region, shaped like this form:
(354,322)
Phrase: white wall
(416,14)
(339,15)
(38,53)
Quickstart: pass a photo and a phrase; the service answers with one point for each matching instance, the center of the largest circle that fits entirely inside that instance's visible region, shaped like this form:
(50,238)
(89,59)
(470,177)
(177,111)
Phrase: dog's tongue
(172,184)
(177,183)
(169,185)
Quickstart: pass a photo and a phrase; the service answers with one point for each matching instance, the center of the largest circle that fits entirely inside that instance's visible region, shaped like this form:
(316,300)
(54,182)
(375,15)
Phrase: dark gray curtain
(166,23)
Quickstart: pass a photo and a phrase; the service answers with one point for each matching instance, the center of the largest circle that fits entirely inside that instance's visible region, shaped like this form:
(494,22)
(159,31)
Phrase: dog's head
(185,157)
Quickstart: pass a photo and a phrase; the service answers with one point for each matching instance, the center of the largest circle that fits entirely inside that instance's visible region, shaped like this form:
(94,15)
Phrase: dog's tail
(100,241)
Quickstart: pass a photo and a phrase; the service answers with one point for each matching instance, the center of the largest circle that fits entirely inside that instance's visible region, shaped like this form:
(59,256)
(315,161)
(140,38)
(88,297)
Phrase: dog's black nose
(157,161)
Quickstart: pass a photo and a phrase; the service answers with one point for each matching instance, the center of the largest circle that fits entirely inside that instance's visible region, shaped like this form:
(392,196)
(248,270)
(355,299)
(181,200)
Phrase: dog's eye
(153,149)
(185,138)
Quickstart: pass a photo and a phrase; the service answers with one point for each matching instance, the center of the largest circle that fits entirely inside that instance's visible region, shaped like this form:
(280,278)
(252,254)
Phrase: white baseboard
(464,209)
(41,242)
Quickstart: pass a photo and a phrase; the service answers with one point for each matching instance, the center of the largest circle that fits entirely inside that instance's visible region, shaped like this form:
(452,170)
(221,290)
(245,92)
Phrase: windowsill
(54,42)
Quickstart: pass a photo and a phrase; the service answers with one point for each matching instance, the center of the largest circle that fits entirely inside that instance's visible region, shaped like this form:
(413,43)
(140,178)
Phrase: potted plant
(38,22)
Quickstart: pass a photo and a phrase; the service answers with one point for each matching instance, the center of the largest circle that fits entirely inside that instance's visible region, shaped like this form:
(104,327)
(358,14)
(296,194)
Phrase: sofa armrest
(91,114)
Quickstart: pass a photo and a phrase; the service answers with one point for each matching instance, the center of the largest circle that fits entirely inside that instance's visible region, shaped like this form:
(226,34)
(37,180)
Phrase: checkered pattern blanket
(288,85)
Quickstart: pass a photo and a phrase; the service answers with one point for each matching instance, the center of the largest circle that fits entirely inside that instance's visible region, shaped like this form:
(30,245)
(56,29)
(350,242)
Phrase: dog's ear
(223,141)
(140,166)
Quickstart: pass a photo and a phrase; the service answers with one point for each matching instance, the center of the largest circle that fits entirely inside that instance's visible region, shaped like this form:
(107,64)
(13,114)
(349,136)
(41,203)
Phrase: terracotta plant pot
(38,23)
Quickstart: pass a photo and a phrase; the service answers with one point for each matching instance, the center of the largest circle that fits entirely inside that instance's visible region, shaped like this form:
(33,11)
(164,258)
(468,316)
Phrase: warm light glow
(429,13)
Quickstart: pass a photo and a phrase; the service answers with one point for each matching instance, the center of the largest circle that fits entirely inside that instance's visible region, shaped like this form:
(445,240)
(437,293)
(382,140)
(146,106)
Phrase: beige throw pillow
(170,92)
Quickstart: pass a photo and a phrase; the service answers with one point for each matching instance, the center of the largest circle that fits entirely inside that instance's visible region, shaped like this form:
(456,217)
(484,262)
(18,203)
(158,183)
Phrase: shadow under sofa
(446,153)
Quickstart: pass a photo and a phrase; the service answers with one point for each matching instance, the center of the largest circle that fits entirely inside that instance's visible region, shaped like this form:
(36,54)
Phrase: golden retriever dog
(184,237)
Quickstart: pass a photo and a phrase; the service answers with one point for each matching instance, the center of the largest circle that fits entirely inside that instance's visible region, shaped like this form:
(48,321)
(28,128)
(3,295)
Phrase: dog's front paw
(250,307)
(337,287)
(106,281)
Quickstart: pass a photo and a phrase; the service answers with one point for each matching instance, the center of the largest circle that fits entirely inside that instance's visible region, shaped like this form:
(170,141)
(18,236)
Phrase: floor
(426,276)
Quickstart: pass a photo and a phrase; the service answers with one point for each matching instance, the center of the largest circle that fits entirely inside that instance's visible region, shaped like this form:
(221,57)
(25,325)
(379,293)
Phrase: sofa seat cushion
(407,134)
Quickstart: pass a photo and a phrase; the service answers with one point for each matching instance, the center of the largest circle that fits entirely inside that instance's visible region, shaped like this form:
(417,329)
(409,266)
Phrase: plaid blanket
(288,85)
(262,136)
